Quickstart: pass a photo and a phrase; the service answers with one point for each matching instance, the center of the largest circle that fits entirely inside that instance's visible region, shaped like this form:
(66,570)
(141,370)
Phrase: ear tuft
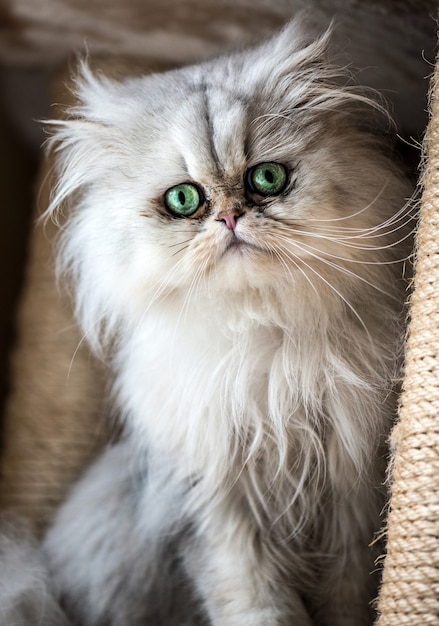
(299,45)
(297,54)
(82,142)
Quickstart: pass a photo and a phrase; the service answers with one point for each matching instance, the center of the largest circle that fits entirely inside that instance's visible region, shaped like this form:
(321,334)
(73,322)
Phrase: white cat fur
(262,377)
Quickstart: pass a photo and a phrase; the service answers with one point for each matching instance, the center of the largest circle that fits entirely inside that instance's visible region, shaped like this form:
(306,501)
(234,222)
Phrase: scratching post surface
(410,591)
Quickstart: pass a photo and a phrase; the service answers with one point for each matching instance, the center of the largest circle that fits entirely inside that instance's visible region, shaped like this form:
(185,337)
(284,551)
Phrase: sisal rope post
(410,590)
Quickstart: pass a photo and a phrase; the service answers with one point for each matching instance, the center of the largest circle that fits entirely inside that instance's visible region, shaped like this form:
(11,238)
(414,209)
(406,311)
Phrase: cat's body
(254,339)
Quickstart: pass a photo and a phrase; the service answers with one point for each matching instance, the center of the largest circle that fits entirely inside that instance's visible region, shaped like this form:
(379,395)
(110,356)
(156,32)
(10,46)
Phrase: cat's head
(257,171)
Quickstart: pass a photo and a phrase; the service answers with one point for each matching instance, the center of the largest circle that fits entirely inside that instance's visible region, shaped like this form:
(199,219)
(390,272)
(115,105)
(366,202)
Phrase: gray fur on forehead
(266,72)
(249,94)
(256,72)
(271,102)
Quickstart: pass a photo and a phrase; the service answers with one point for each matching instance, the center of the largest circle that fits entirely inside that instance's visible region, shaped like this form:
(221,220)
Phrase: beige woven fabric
(410,592)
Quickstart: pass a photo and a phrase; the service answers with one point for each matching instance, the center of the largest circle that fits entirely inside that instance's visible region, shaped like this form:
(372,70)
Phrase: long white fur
(264,378)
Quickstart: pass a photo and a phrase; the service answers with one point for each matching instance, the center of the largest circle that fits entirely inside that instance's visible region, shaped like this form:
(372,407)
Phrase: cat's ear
(300,44)
(296,51)
(86,144)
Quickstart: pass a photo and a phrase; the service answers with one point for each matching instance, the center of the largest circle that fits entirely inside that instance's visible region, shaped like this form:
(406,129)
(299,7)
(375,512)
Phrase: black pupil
(269,176)
(182,198)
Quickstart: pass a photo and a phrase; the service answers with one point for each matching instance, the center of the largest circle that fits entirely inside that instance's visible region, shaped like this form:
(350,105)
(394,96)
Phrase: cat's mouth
(238,245)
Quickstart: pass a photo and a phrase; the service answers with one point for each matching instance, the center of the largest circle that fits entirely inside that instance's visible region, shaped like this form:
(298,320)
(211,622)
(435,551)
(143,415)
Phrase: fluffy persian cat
(235,235)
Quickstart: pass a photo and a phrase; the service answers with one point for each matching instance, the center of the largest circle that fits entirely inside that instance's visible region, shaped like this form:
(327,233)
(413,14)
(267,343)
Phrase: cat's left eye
(184,200)
(267,179)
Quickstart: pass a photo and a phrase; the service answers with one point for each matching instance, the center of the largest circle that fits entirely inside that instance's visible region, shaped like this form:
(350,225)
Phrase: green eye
(267,179)
(184,199)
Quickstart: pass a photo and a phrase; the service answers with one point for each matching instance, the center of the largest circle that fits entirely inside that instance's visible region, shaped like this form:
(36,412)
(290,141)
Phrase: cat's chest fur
(226,394)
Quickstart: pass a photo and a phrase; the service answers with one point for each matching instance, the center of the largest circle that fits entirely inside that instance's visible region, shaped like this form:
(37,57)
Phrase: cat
(235,239)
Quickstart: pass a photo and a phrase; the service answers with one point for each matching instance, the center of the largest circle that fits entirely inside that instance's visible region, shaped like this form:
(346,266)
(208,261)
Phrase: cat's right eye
(184,200)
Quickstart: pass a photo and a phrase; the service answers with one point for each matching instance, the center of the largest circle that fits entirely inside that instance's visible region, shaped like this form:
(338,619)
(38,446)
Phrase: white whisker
(290,255)
(279,256)
(356,213)
(160,288)
(308,246)
(337,267)
(82,341)
(180,243)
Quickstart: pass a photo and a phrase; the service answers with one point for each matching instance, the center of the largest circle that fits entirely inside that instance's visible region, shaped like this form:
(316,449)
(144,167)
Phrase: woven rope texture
(410,592)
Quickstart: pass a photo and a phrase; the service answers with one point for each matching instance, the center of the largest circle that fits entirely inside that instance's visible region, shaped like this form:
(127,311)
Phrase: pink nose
(229,218)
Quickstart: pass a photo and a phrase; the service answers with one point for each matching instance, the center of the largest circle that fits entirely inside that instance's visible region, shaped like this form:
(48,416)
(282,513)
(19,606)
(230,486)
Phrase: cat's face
(236,190)
(246,172)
